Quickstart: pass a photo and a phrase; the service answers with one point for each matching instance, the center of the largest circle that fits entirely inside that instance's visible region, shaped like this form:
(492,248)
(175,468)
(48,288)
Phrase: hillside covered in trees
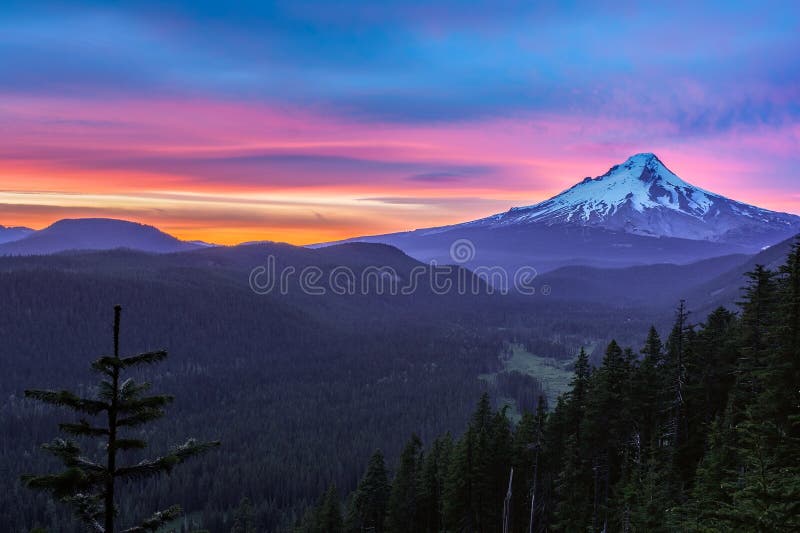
(697,433)
(300,389)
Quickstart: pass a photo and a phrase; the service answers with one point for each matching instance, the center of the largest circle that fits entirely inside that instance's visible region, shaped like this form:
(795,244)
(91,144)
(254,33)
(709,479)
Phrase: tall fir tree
(649,405)
(499,466)
(781,403)
(758,314)
(574,480)
(473,501)
(244,518)
(767,495)
(90,485)
(367,508)
(403,508)
(528,502)
(675,429)
(325,516)
(608,429)
(432,484)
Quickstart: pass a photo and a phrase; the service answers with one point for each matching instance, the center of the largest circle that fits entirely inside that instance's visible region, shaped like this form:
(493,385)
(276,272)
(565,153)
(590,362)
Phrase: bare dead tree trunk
(531,523)
(507,503)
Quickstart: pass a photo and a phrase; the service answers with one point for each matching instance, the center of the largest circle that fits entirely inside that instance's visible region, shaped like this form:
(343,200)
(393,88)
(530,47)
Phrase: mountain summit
(643,197)
(637,213)
(95,234)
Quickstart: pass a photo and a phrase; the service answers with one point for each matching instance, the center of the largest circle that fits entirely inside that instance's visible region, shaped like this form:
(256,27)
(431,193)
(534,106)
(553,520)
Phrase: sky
(314,121)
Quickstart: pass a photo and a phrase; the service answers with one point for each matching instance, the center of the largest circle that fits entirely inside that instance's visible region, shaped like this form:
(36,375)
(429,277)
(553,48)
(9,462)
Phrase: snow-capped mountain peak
(642,196)
(641,182)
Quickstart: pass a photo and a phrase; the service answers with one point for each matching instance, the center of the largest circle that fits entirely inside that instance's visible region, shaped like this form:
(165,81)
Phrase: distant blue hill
(95,234)
(13,234)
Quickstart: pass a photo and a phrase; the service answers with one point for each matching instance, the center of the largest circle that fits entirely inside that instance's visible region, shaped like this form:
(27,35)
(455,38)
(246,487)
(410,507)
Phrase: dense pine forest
(299,389)
(700,432)
(302,391)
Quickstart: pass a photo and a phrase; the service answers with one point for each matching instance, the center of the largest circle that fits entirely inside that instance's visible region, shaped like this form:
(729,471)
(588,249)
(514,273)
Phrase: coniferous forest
(300,390)
(696,432)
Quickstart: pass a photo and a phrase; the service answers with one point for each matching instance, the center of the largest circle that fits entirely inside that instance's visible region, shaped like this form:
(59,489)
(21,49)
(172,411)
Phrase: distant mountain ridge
(657,285)
(637,213)
(13,233)
(642,196)
(95,234)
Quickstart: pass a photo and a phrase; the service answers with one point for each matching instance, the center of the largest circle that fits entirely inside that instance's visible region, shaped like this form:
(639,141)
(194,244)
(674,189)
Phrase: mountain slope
(547,248)
(637,213)
(642,196)
(705,285)
(13,234)
(95,234)
(726,288)
(656,286)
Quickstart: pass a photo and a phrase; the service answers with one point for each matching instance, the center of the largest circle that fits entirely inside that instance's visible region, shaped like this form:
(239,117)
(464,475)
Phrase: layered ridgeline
(90,234)
(639,212)
(13,234)
(698,433)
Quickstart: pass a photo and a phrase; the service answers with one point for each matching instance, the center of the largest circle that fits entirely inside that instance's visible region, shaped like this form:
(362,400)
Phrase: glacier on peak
(642,196)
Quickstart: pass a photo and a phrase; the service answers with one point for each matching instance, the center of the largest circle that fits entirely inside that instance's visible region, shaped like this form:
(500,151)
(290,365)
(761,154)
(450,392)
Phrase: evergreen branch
(105,391)
(83,429)
(99,471)
(147,358)
(67,399)
(141,417)
(130,389)
(69,453)
(166,463)
(147,468)
(157,520)
(134,405)
(64,449)
(104,365)
(87,508)
(63,485)
(129,444)
(191,448)
(108,363)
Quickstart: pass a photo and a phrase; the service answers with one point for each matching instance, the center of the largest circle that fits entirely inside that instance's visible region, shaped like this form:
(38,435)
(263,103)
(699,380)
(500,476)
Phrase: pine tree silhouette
(89,485)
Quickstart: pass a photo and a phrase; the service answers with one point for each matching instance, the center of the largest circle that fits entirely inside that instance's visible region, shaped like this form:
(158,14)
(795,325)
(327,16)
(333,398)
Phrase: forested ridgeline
(698,433)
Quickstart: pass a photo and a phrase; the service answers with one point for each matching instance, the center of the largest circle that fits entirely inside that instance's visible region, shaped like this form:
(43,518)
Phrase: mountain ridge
(642,196)
(13,233)
(95,234)
(639,212)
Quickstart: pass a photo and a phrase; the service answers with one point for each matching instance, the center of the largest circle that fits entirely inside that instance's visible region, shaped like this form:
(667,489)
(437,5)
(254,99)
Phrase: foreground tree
(403,505)
(89,485)
(367,508)
(243,518)
(326,516)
